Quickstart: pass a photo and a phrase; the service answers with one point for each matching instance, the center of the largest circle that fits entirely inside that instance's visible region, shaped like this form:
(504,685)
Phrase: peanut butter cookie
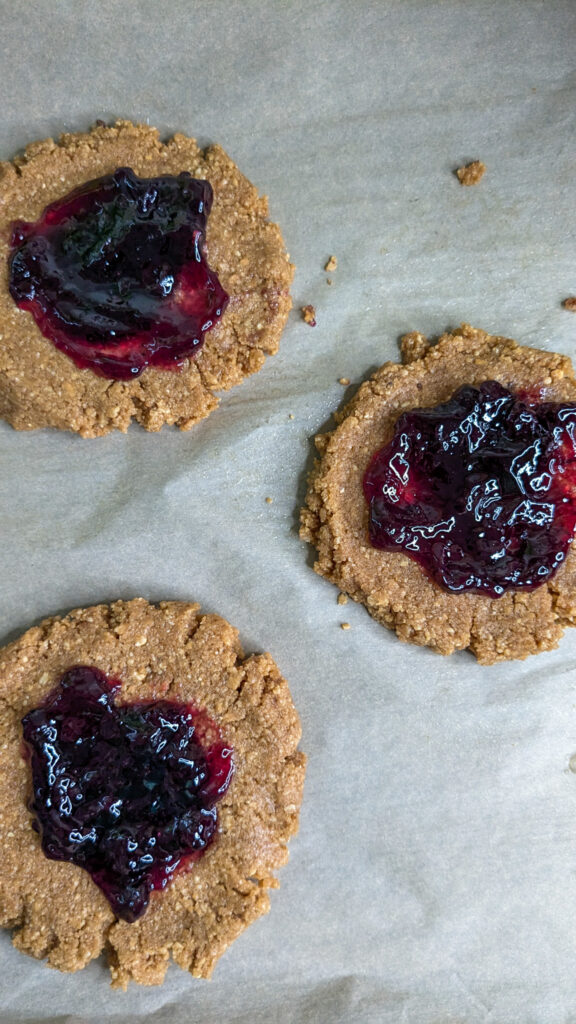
(89,687)
(393,539)
(101,322)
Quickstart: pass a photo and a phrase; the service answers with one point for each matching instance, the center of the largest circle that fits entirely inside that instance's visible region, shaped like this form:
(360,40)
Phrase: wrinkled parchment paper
(434,877)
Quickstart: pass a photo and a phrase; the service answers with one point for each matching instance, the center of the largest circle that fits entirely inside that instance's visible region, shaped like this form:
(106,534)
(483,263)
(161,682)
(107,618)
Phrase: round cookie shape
(166,652)
(41,386)
(393,587)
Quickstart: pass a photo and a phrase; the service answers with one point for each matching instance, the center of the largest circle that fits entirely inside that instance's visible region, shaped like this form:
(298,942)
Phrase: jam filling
(115,276)
(125,791)
(480,491)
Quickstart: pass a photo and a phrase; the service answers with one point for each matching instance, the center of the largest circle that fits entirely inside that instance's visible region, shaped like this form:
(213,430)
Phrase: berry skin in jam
(125,791)
(115,275)
(480,491)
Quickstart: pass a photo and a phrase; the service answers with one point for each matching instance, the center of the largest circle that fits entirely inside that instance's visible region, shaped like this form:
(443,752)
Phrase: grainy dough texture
(394,588)
(471,174)
(170,650)
(40,386)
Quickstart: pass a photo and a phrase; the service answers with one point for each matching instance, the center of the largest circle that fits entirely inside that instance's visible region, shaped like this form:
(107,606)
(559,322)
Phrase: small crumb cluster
(309,312)
(472,173)
(413,346)
(570,304)
(309,315)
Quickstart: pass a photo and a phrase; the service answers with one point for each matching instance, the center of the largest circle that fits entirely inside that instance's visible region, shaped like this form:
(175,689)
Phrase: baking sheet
(434,876)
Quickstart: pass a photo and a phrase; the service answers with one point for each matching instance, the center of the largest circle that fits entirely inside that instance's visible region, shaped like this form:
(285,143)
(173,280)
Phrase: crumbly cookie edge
(316,528)
(286,781)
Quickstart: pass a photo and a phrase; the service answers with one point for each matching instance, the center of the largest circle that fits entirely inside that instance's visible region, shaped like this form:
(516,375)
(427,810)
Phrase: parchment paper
(434,877)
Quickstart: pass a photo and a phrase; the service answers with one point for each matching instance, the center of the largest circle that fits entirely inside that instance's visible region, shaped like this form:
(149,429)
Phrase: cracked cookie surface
(394,588)
(165,651)
(40,386)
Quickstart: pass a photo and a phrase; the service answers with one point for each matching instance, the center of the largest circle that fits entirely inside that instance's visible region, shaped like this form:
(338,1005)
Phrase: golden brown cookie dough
(169,650)
(309,315)
(471,174)
(394,588)
(40,386)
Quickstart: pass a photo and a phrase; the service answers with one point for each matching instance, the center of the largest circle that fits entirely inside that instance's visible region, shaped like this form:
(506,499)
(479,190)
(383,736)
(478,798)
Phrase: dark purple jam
(126,791)
(480,491)
(114,273)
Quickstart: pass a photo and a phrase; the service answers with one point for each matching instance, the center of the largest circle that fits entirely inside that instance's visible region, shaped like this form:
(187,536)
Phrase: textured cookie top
(168,652)
(40,386)
(392,586)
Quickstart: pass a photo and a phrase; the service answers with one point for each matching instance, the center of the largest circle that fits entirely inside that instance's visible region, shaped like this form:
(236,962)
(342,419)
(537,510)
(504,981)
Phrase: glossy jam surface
(480,491)
(127,792)
(115,276)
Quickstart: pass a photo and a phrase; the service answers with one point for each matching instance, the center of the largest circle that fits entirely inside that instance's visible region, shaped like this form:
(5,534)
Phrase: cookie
(165,653)
(42,386)
(395,588)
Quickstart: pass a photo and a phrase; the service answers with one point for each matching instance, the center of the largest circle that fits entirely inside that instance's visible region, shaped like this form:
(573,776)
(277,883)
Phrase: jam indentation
(126,791)
(115,274)
(480,491)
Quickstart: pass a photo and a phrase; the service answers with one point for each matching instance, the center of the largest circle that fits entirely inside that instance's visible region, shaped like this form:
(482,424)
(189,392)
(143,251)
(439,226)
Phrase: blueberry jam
(114,273)
(126,791)
(480,491)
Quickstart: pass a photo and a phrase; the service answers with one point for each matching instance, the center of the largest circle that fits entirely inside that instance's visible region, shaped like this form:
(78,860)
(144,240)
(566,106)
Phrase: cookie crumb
(413,346)
(472,173)
(570,303)
(344,381)
(328,280)
(309,315)
(342,599)
(269,501)
(344,625)
(290,415)
(100,123)
(332,264)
